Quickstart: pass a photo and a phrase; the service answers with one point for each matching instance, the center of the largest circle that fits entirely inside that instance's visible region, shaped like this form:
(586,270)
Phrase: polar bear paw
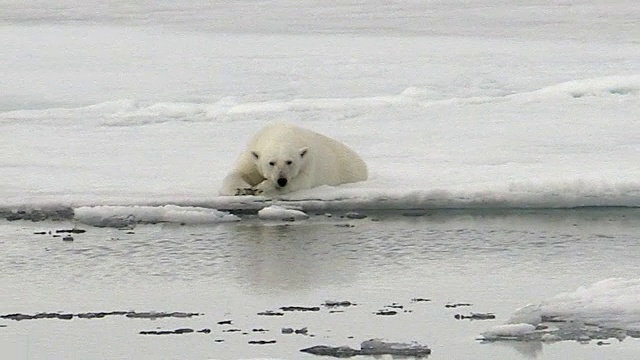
(248,191)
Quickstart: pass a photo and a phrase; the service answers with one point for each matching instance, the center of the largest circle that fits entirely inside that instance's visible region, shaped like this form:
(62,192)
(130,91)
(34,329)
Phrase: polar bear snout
(282,182)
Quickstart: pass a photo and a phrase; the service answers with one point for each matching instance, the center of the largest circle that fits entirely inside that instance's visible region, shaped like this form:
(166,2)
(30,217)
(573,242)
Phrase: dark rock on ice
(38,214)
(167,332)
(64,213)
(17,317)
(475,316)
(95,315)
(455,305)
(119,222)
(156,315)
(154,332)
(371,347)
(261,342)
(386,312)
(355,215)
(420,300)
(333,303)
(345,225)
(16,215)
(339,352)
(270,313)
(302,331)
(300,308)
(380,347)
(71,231)
(91,315)
(414,213)
(231,330)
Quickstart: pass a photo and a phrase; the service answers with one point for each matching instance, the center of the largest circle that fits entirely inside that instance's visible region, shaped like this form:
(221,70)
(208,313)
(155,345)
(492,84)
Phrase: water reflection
(528,349)
(293,256)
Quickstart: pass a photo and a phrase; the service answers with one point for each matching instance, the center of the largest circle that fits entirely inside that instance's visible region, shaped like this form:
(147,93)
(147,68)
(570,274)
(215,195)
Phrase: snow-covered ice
(276,212)
(509,331)
(122,216)
(606,309)
(528,105)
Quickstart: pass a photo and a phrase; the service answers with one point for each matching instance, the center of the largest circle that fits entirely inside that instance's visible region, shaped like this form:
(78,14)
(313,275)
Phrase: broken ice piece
(381,347)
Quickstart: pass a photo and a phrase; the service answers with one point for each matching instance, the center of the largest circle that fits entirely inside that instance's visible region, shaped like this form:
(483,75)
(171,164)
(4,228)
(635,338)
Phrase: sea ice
(607,309)
(277,212)
(508,331)
(127,216)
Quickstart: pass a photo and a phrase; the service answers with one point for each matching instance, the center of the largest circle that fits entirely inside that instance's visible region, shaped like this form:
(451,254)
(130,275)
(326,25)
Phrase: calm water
(496,261)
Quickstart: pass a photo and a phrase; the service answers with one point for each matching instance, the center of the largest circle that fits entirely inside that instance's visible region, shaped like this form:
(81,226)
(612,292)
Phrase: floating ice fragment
(381,347)
(508,331)
(607,309)
(129,216)
(276,212)
(372,347)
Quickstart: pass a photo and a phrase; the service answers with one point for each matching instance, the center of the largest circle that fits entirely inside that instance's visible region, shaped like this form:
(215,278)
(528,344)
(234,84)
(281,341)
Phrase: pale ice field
(502,139)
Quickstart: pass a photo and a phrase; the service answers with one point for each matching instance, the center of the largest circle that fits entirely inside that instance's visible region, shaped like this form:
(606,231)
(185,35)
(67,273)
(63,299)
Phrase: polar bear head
(280,166)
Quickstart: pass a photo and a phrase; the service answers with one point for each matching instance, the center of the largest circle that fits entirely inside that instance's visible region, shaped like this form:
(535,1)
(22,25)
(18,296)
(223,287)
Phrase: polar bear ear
(255,154)
(303,151)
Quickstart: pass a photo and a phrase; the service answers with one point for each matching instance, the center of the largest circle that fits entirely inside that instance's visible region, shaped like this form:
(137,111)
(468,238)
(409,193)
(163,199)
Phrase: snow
(606,309)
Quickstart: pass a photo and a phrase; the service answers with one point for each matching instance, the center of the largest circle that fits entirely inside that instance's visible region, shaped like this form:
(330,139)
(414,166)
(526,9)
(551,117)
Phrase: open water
(495,261)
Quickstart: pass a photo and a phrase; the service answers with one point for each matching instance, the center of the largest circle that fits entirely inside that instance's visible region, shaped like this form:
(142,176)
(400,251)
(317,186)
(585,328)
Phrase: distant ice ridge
(132,113)
(607,309)
(604,86)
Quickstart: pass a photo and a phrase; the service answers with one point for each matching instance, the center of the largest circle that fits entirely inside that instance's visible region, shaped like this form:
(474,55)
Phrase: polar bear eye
(289,162)
(272,163)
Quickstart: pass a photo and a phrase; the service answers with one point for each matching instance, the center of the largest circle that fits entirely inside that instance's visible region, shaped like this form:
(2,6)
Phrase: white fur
(303,158)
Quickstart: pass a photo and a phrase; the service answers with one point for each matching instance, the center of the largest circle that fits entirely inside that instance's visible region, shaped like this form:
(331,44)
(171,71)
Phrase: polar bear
(282,158)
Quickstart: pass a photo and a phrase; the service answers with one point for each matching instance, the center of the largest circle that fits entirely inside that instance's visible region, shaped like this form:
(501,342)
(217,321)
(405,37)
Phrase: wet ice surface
(495,262)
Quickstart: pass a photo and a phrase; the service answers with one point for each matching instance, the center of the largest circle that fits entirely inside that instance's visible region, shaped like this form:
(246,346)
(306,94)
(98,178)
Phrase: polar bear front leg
(234,184)
(265,188)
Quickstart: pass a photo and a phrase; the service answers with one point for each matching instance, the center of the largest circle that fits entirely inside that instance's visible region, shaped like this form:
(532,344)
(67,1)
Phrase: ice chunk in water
(509,331)
(276,212)
(381,347)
